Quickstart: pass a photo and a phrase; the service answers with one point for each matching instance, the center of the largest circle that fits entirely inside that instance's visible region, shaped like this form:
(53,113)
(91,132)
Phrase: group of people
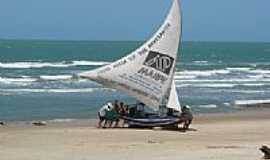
(110,114)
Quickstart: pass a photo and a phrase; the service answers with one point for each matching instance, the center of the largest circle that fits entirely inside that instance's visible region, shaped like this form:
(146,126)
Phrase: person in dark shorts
(102,114)
(186,116)
(118,106)
(112,116)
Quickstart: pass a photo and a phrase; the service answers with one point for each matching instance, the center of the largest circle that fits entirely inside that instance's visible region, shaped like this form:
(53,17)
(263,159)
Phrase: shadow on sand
(174,129)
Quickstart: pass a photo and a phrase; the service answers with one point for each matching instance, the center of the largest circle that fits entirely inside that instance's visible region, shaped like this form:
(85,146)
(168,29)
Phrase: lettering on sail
(153,75)
(103,70)
(119,63)
(159,35)
(142,51)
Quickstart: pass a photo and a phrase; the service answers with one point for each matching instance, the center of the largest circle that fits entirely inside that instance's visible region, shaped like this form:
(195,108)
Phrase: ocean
(38,78)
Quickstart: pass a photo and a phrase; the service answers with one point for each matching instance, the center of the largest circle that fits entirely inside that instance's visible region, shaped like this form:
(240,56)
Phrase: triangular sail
(146,73)
(173,101)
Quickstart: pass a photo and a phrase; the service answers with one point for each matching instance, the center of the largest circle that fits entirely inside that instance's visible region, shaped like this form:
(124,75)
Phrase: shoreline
(199,118)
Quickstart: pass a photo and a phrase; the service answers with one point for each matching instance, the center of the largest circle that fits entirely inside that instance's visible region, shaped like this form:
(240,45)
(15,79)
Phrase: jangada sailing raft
(147,74)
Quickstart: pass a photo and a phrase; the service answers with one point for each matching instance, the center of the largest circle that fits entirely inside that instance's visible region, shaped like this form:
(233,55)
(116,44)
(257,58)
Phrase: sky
(203,20)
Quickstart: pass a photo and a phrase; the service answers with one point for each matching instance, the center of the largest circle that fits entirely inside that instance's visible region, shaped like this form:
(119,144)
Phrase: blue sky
(204,20)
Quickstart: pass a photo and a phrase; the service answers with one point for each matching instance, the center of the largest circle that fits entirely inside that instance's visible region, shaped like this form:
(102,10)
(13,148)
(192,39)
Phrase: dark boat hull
(152,122)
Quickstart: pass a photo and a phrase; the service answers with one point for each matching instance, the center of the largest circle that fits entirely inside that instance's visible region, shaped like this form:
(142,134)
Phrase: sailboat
(147,74)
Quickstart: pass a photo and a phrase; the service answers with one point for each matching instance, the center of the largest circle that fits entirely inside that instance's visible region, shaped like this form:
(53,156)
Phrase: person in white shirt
(186,116)
(102,114)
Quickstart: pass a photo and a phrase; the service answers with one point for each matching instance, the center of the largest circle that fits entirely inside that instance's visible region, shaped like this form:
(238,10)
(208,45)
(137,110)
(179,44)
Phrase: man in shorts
(102,114)
(186,116)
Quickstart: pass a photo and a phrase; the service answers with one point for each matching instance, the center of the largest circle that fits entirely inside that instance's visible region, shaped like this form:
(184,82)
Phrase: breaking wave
(205,73)
(208,106)
(250,102)
(260,71)
(56,77)
(225,80)
(24,80)
(80,90)
(239,91)
(200,62)
(208,85)
(221,85)
(18,81)
(90,63)
(25,65)
(237,71)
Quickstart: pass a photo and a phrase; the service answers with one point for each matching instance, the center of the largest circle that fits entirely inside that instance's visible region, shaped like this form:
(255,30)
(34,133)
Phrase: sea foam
(202,73)
(208,106)
(25,65)
(80,90)
(56,77)
(17,80)
(250,102)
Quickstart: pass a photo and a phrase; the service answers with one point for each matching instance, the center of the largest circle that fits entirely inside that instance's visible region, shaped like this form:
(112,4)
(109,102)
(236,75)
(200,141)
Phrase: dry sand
(219,137)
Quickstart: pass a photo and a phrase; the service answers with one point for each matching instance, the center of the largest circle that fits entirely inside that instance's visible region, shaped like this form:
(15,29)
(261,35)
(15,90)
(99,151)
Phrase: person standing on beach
(118,109)
(186,116)
(112,115)
(102,114)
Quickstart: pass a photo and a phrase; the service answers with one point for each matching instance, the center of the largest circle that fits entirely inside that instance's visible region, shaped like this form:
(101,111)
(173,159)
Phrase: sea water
(38,78)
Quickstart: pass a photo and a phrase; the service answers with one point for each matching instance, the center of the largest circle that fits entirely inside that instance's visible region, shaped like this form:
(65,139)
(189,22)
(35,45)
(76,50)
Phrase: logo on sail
(159,61)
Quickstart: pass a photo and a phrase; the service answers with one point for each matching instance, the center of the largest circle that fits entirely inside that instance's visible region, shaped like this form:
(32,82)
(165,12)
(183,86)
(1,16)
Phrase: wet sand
(233,136)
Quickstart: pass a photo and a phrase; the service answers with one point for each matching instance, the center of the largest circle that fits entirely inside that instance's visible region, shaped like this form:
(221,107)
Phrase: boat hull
(152,122)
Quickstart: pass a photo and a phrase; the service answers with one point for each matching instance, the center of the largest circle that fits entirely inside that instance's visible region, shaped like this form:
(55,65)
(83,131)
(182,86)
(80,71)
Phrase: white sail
(146,73)
(173,101)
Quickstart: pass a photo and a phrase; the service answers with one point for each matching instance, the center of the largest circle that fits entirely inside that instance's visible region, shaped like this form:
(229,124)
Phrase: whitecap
(250,102)
(17,80)
(220,85)
(202,73)
(245,91)
(260,71)
(25,65)
(208,106)
(5,94)
(239,69)
(201,62)
(56,77)
(256,77)
(253,84)
(81,90)
(90,63)
(184,77)
(250,79)
(208,85)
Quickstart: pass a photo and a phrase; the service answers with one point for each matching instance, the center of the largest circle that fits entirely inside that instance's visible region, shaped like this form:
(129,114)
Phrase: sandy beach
(232,136)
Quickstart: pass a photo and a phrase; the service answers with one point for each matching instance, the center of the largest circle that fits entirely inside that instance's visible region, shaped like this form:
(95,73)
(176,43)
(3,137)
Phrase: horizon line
(111,40)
